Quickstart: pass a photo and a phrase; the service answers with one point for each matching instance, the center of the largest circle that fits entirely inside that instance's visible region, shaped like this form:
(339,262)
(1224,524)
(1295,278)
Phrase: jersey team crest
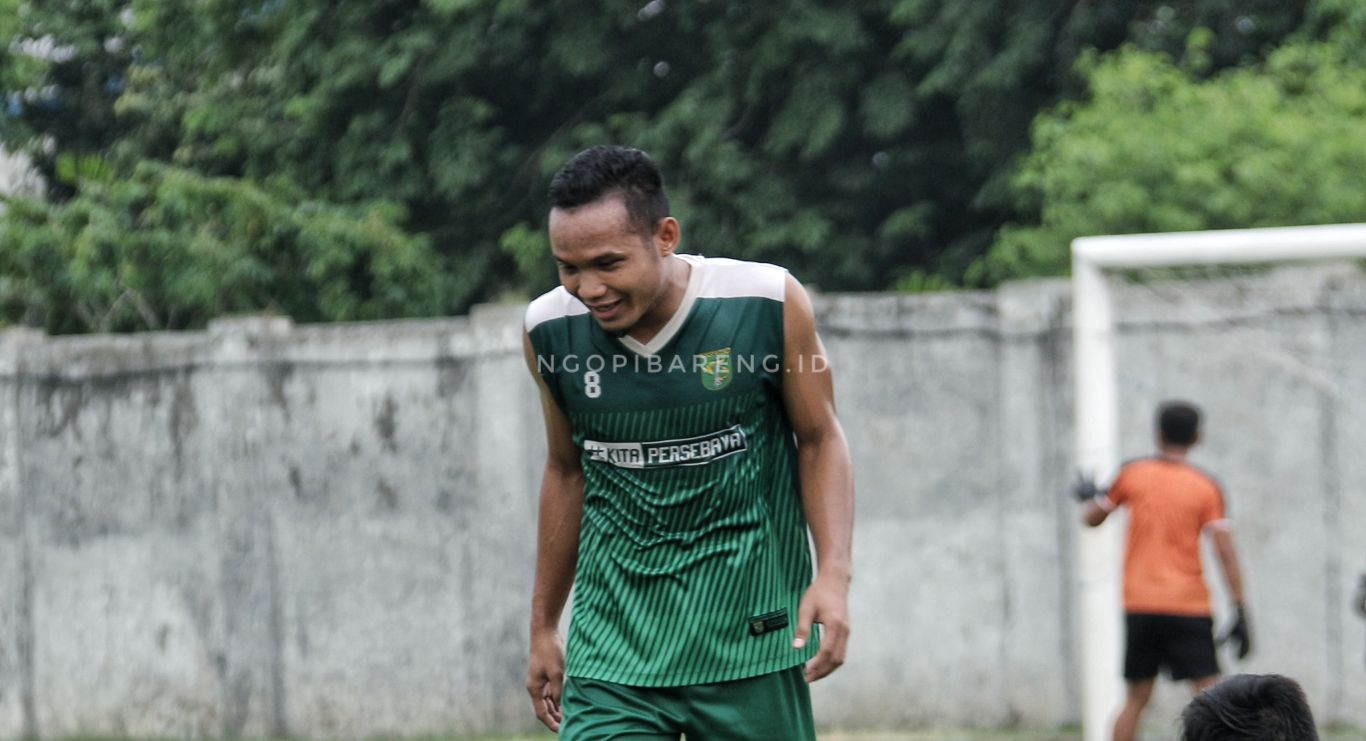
(716,369)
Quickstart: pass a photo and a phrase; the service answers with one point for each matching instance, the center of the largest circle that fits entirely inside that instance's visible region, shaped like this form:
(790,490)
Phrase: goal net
(1265,330)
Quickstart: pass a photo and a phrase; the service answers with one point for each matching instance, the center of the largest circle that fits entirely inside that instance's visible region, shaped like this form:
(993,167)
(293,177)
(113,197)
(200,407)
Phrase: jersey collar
(675,323)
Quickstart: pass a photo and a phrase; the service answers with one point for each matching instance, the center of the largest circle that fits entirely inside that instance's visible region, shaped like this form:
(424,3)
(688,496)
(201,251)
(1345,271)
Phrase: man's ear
(667,236)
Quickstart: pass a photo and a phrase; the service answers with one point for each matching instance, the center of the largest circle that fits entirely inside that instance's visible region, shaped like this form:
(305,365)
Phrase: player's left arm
(1217,524)
(826,479)
(1222,535)
(1238,633)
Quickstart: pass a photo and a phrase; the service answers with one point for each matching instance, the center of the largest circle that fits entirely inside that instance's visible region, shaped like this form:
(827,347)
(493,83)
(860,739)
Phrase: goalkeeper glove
(1085,488)
(1237,634)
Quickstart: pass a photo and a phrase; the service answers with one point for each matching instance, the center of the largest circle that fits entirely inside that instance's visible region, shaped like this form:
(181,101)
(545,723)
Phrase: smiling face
(625,277)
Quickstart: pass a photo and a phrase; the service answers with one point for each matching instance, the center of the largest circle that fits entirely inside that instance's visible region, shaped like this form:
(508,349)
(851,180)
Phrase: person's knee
(1140,693)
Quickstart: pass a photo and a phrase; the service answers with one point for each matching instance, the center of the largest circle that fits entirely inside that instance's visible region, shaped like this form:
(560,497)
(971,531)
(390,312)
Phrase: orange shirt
(1169,503)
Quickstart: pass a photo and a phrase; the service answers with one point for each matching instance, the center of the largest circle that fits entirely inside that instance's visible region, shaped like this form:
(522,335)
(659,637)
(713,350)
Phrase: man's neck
(1174,453)
(678,273)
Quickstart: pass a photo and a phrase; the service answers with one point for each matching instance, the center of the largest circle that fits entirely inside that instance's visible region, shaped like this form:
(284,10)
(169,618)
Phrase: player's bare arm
(827,482)
(1093,514)
(1228,561)
(1094,505)
(557,544)
(1238,633)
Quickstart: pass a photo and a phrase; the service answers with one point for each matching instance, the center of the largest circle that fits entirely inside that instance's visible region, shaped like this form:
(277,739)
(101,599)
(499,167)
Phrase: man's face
(616,271)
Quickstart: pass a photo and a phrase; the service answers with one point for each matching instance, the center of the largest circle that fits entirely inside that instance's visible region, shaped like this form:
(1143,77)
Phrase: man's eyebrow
(595,260)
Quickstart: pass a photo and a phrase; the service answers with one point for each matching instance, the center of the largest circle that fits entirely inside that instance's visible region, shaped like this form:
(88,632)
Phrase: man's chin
(619,322)
(617,332)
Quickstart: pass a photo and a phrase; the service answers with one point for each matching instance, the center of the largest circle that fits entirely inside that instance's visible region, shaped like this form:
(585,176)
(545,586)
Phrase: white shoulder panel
(723,277)
(553,304)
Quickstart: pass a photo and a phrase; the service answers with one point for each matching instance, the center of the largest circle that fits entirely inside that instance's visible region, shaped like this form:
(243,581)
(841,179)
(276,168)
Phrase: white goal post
(1097,405)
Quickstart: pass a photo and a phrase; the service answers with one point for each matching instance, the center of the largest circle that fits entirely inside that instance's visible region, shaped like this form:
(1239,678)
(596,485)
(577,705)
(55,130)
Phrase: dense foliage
(166,248)
(1153,149)
(389,158)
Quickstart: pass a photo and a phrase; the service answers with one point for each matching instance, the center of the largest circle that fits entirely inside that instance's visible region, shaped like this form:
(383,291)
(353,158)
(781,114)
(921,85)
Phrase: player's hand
(826,602)
(545,677)
(1085,489)
(1238,635)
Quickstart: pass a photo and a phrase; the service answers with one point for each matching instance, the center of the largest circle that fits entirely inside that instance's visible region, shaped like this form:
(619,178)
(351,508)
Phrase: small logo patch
(716,369)
(767,622)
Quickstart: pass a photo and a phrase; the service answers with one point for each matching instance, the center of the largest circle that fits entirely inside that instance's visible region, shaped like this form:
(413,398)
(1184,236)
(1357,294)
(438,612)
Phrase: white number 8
(592,384)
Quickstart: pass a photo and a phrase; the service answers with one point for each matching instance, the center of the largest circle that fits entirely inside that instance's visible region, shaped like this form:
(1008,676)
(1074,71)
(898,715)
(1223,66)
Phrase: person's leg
(605,711)
(1142,660)
(770,707)
(1126,725)
(1190,653)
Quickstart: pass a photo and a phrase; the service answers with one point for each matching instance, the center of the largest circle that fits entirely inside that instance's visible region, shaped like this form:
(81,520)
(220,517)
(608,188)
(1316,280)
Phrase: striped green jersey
(693,549)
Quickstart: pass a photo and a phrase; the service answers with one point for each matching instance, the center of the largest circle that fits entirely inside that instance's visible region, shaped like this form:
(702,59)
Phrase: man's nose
(591,287)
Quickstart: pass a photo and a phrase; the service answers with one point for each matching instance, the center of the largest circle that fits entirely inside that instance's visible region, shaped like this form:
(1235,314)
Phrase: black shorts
(1183,645)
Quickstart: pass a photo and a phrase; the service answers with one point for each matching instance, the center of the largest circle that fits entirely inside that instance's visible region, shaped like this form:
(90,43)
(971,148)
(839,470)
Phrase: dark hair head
(1250,707)
(608,170)
(1178,422)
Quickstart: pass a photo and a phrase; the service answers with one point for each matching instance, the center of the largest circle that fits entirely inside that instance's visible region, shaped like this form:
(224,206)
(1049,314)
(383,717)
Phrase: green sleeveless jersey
(693,551)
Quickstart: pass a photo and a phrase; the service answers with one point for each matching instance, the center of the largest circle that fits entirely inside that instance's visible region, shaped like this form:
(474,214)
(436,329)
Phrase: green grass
(919,736)
(1331,734)
(1063,734)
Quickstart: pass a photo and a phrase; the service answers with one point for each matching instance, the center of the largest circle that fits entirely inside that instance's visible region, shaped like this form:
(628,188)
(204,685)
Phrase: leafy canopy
(168,248)
(1152,149)
(863,145)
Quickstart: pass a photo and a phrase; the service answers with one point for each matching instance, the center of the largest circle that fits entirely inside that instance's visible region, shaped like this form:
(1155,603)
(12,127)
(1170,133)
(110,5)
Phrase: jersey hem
(1173,612)
(702,677)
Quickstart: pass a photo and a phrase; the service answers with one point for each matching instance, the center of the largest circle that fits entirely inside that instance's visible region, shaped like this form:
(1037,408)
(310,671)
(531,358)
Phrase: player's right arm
(1093,513)
(1095,503)
(557,547)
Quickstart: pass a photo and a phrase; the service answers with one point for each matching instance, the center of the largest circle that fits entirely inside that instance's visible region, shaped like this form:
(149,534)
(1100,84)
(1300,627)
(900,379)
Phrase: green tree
(980,72)
(126,242)
(863,145)
(167,248)
(64,70)
(1151,150)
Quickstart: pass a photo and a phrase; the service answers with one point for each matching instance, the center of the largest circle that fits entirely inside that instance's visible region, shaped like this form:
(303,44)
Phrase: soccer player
(1166,601)
(1250,707)
(693,444)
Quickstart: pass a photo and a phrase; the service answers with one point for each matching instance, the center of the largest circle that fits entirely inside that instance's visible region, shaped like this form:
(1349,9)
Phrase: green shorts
(771,707)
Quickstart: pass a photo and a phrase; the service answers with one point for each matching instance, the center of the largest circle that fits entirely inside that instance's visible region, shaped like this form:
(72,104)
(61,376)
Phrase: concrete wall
(327,531)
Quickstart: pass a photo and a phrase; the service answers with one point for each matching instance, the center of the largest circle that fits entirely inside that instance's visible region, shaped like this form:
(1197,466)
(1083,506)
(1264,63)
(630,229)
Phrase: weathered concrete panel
(1344,394)
(120,649)
(16,691)
(925,414)
(117,526)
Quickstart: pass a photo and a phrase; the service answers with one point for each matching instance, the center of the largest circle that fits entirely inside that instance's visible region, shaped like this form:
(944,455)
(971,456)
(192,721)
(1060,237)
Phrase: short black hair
(1178,422)
(609,169)
(1250,707)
